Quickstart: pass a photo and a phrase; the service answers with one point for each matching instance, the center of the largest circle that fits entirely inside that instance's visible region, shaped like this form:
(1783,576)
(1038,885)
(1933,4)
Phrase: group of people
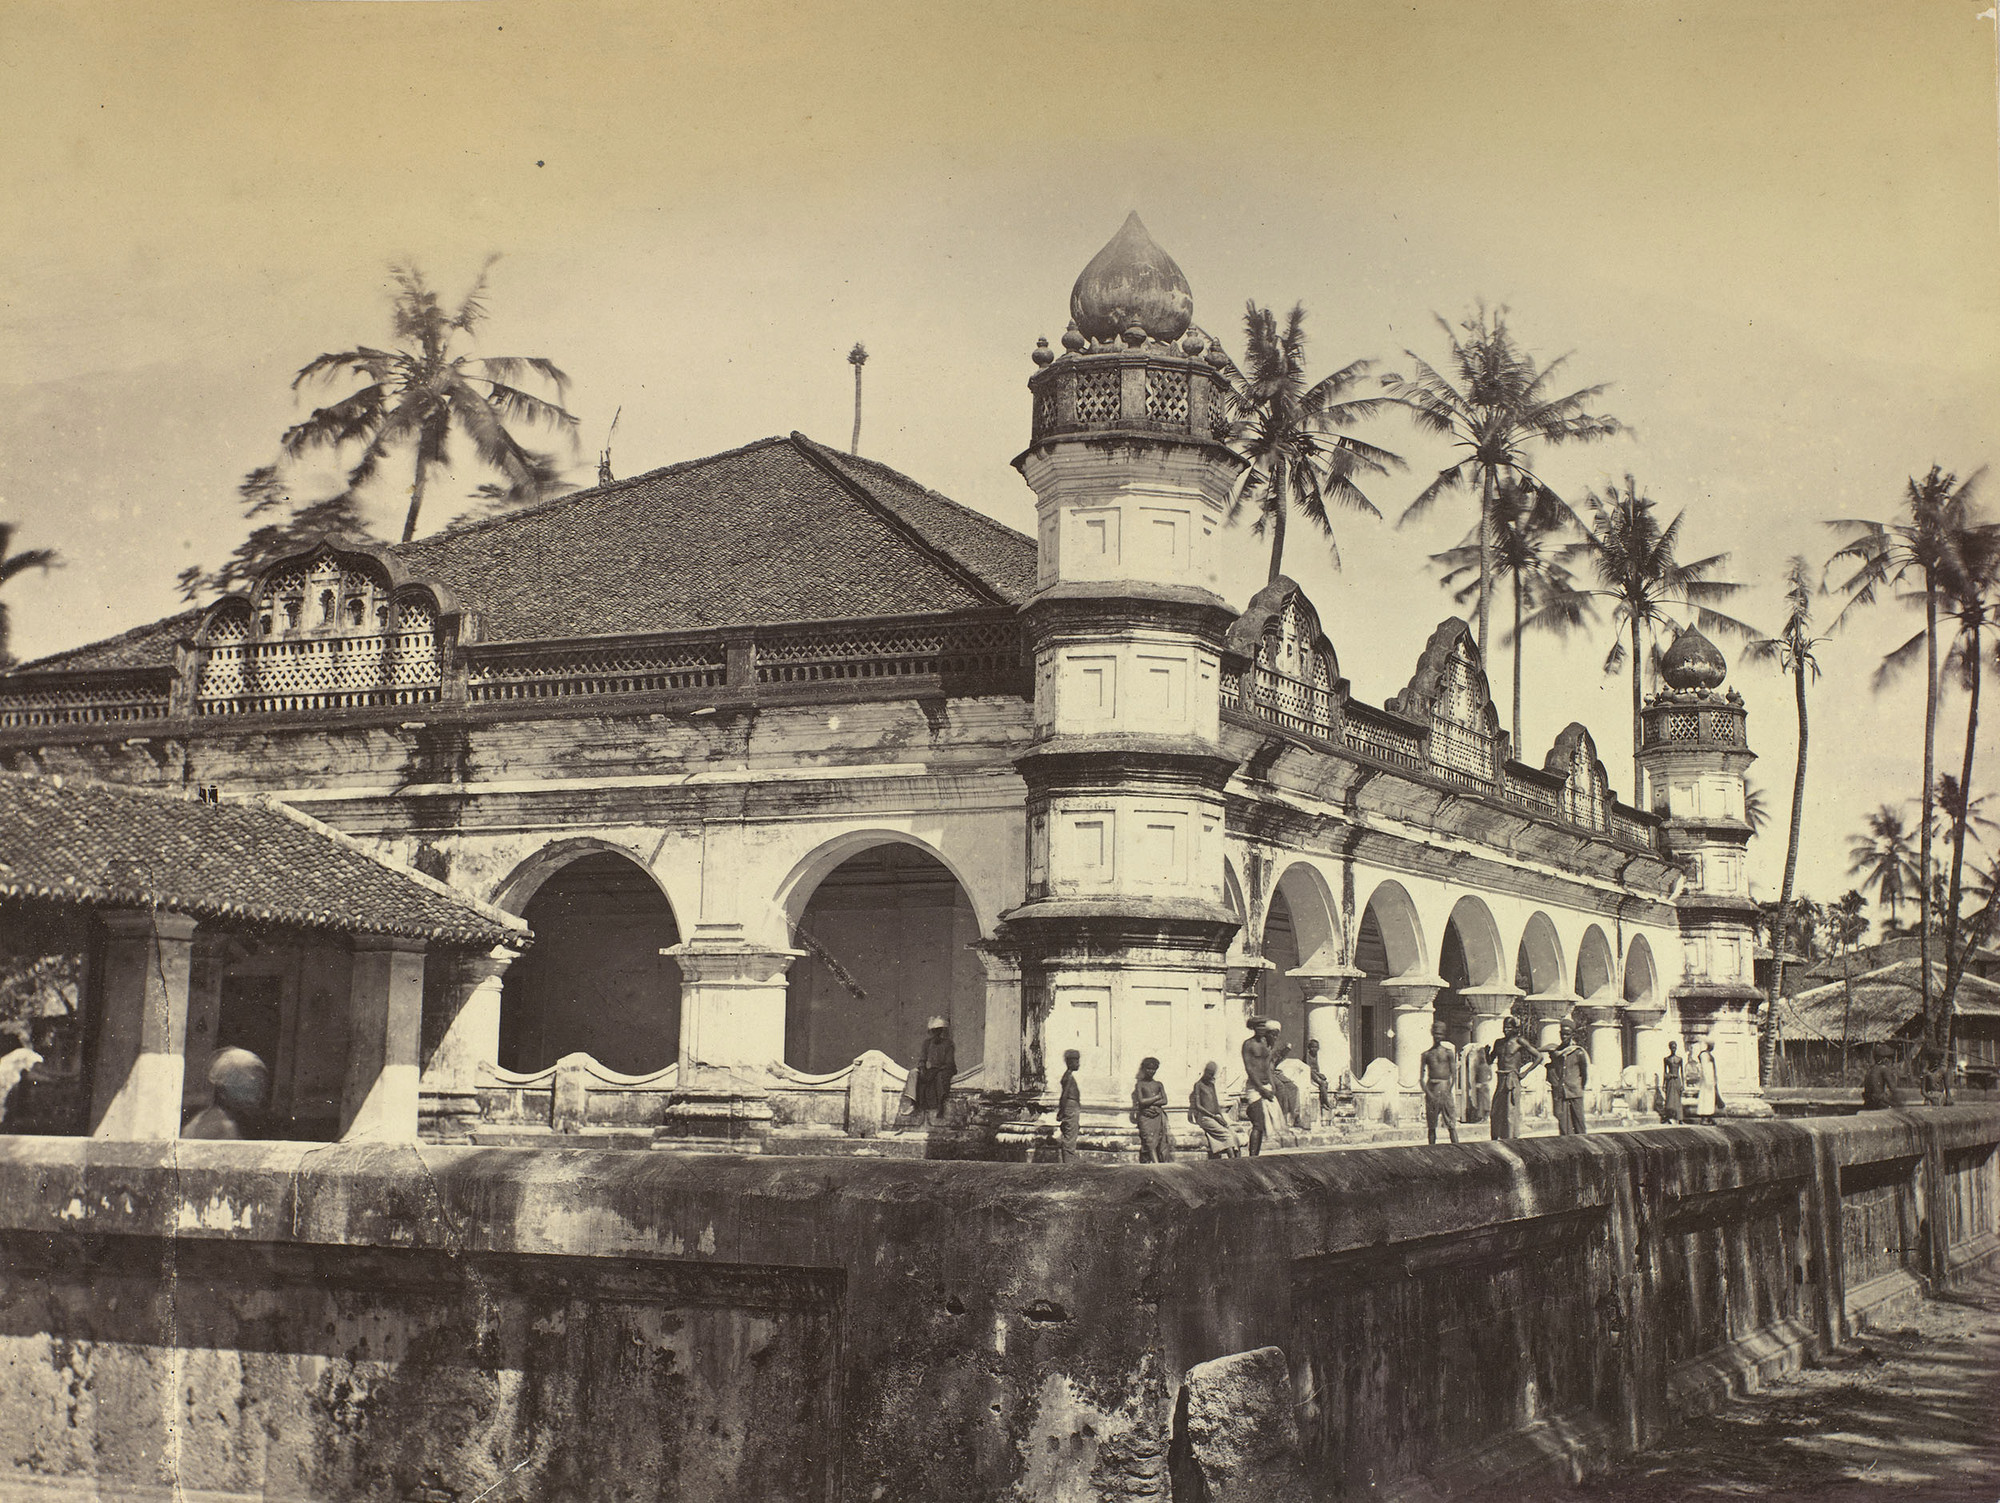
(1493,1079)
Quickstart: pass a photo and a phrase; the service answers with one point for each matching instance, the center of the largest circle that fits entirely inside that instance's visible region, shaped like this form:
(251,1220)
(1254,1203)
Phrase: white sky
(1771,226)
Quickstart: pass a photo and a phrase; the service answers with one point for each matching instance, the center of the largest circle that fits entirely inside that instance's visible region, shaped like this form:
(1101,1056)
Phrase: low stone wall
(348,1321)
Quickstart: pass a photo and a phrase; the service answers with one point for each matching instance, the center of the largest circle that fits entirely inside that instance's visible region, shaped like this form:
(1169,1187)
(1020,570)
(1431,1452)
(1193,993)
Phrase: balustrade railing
(867,650)
(87,698)
(564,671)
(320,673)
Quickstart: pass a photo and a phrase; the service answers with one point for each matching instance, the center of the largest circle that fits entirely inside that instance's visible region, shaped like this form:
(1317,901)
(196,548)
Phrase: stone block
(1242,1435)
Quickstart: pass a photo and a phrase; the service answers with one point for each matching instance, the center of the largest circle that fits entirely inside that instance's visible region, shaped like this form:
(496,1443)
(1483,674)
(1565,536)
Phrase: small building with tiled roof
(142,931)
(782,755)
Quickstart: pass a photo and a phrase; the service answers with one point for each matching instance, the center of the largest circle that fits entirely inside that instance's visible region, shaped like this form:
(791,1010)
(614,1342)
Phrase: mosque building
(778,755)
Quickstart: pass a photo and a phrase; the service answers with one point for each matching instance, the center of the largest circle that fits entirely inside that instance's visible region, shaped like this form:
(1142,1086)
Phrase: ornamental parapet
(314,679)
(1694,720)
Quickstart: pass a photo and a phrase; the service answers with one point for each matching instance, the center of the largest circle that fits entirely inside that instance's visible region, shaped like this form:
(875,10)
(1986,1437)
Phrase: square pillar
(142,1033)
(385,1016)
(1003,1016)
(471,1041)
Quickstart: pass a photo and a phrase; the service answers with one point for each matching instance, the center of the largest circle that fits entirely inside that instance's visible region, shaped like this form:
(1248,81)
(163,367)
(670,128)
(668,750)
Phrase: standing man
(1514,1058)
(1069,1107)
(1569,1074)
(1673,1085)
(1260,1096)
(1290,1079)
(1149,1114)
(1438,1071)
(1878,1086)
(936,1067)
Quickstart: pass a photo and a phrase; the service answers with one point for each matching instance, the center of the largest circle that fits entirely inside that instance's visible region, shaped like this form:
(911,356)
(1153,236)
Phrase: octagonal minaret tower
(1694,753)
(1123,934)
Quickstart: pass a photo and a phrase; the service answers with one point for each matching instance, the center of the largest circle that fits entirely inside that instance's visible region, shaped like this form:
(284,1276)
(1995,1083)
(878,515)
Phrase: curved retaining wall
(383,1322)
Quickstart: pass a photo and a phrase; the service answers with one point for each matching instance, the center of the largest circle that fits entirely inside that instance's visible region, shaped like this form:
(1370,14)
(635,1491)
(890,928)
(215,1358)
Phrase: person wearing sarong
(1149,1111)
(1437,1069)
(1285,1073)
(1205,1112)
(1569,1075)
(1069,1108)
(1673,1085)
(1514,1058)
(1479,1083)
(1708,1105)
(1320,1082)
(937,1063)
(1260,1098)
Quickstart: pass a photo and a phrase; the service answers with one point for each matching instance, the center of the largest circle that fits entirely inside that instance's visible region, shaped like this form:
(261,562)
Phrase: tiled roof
(780,530)
(1885,1000)
(149,646)
(69,841)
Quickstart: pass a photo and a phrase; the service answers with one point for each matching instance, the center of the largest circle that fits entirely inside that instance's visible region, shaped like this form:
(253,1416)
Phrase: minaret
(1694,753)
(1123,934)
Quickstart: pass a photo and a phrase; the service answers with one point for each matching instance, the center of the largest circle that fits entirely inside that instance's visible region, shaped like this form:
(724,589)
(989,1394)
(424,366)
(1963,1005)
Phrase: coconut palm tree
(1756,808)
(420,394)
(1882,859)
(1791,650)
(12,564)
(1639,573)
(1846,924)
(1528,526)
(1494,407)
(1927,549)
(1287,430)
(1973,605)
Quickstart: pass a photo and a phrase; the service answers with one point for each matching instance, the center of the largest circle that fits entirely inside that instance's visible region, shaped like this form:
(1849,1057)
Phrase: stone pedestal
(142,1036)
(449,1090)
(732,1006)
(1410,997)
(1649,1044)
(385,1020)
(1727,1023)
(1004,993)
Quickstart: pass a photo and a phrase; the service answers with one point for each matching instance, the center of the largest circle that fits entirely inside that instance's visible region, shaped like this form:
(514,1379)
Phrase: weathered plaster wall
(352,1322)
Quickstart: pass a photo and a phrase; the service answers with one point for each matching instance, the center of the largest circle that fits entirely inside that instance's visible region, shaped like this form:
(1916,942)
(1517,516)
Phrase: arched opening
(1538,968)
(1642,990)
(1387,942)
(1595,971)
(594,981)
(886,935)
(1299,927)
(1469,956)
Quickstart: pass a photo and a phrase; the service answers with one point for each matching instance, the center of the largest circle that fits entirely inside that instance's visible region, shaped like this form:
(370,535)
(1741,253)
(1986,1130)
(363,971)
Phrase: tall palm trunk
(1485,559)
(1847,1011)
(1955,952)
(416,503)
(1281,505)
(1768,1052)
(1638,791)
(1929,801)
(1517,664)
(854,444)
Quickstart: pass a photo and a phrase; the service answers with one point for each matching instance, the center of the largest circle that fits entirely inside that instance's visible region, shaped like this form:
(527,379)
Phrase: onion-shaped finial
(1129,284)
(1043,354)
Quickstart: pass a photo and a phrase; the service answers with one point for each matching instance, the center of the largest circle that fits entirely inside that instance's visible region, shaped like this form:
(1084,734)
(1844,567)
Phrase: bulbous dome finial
(1132,284)
(1692,662)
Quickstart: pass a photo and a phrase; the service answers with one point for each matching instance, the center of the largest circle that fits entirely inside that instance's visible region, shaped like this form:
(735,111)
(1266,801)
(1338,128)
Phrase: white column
(1328,1015)
(1605,1046)
(1649,1042)
(732,1008)
(1410,998)
(142,1030)
(1490,1006)
(385,1022)
(471,1041)
(1551,1007)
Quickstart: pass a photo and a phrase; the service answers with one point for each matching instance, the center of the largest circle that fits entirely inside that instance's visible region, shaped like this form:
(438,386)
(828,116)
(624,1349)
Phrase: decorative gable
(1290,675)
(328,629)
(1585,798)
(1449,694)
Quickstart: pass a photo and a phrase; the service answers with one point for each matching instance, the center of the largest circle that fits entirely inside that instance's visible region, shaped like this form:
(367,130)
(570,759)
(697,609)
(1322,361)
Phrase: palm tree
(1494,407)
(418,395)
(1791,650)
(1527,523)
(1973,603)
(1845,926)
(1286,430)
(1756,810)
(1926,549)
(857,357)
(1639,572)
(1883,860)
(12,564)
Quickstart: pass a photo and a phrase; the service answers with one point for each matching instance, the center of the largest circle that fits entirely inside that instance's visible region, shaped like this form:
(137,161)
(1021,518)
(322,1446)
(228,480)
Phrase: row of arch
(885,923)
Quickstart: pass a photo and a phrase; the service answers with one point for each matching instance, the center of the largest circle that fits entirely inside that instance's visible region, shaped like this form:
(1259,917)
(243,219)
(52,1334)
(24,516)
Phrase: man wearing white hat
(937,1063)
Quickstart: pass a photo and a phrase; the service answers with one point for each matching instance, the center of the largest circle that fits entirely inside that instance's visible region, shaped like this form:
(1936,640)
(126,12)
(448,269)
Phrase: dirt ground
(1910,1413)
